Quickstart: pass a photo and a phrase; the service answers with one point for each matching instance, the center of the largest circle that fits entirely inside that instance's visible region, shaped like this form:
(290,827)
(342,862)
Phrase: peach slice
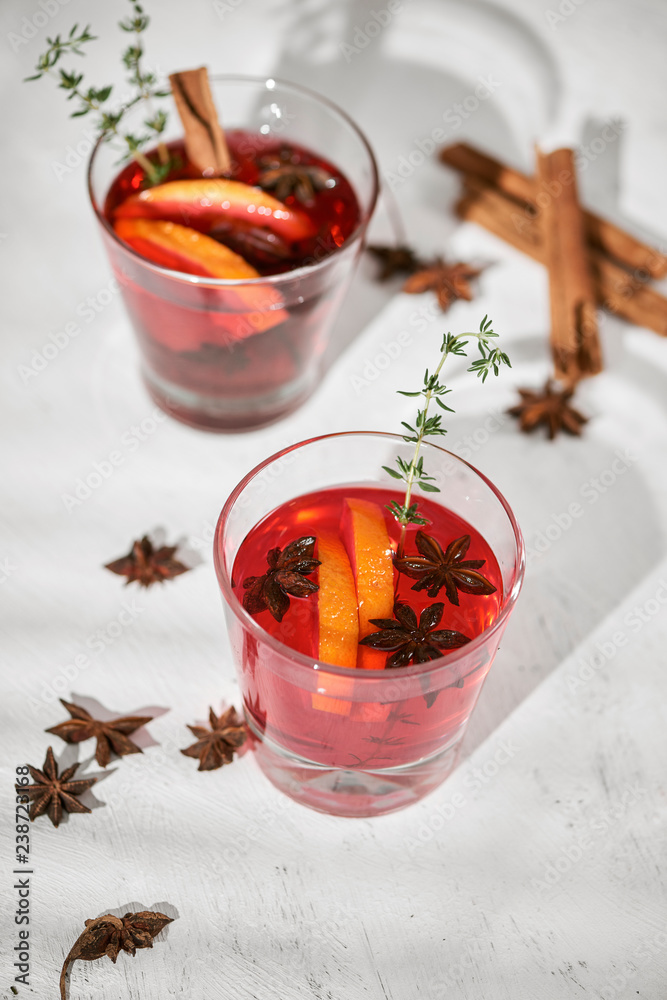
(183,249)
(338,621)
(205,202)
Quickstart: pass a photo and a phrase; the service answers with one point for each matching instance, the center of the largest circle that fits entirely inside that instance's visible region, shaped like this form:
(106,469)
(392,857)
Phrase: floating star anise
(287,574)
(409,640)
(113,734)
(448,281)
(109,935)
(54,793)
(549,406)
(147,565)
(216,746)
(395,260)
(284,174)
(434,569)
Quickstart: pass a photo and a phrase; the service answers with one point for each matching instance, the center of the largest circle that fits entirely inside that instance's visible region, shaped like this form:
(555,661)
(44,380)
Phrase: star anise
(113,734)
(147,565)
(54,793)
(109,935)
(551,407)
(434,569)
(284,174)
(409,640)
(216,746)
(395,260)
(448,281)
(287,574)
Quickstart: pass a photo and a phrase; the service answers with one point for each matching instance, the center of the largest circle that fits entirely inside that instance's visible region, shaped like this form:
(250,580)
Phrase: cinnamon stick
(468,160)
(205,142)
(513,221)
(616,290)
(575,344)
(614,241)
(626,296)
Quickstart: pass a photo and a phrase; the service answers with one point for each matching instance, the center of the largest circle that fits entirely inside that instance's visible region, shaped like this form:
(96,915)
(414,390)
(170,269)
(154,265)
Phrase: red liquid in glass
(412,725)
(200,340)
(334,211)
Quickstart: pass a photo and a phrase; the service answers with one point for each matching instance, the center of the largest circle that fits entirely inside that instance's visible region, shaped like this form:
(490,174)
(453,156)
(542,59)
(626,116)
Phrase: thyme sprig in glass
(413,473)
(94,99)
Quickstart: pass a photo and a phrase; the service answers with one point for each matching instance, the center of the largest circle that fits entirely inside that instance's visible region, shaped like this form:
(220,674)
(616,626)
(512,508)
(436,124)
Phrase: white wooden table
(537,872)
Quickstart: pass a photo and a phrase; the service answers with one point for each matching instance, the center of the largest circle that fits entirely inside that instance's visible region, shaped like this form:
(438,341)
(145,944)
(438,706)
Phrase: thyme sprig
(413,473)
(94,99)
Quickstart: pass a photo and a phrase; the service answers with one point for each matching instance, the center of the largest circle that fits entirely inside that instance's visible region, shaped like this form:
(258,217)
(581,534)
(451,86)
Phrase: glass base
(355,793)
(230,415)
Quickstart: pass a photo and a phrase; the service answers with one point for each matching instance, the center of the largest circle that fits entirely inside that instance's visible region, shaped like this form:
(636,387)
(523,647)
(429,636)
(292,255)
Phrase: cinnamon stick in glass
(205,141)
(614,241)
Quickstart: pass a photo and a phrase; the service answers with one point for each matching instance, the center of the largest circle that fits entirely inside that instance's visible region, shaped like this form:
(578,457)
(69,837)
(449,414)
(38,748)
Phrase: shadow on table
(400,86)
(591,522)
(411,87)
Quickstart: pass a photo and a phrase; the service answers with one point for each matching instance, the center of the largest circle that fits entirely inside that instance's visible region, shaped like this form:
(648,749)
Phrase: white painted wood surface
(537,872)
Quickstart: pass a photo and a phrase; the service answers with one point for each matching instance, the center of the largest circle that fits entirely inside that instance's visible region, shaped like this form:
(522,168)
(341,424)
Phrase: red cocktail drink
(233,284)
(365,725)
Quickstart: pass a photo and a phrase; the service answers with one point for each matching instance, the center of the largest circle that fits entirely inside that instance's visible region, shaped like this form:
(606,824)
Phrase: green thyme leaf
(92,99)
(490,360)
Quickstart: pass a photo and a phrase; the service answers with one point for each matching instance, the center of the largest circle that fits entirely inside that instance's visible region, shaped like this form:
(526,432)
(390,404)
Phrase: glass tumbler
(365,761)
(230,355)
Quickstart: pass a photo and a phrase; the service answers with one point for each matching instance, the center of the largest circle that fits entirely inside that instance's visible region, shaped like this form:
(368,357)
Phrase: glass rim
(300,660)
(270,279)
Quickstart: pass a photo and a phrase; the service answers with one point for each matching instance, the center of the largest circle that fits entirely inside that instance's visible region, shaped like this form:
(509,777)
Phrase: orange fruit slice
(204,202)
(337,604)
(371,556)
(370,550)
(338,621)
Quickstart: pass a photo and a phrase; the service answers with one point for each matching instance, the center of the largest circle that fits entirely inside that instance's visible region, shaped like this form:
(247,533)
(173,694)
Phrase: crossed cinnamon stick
(591,261)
